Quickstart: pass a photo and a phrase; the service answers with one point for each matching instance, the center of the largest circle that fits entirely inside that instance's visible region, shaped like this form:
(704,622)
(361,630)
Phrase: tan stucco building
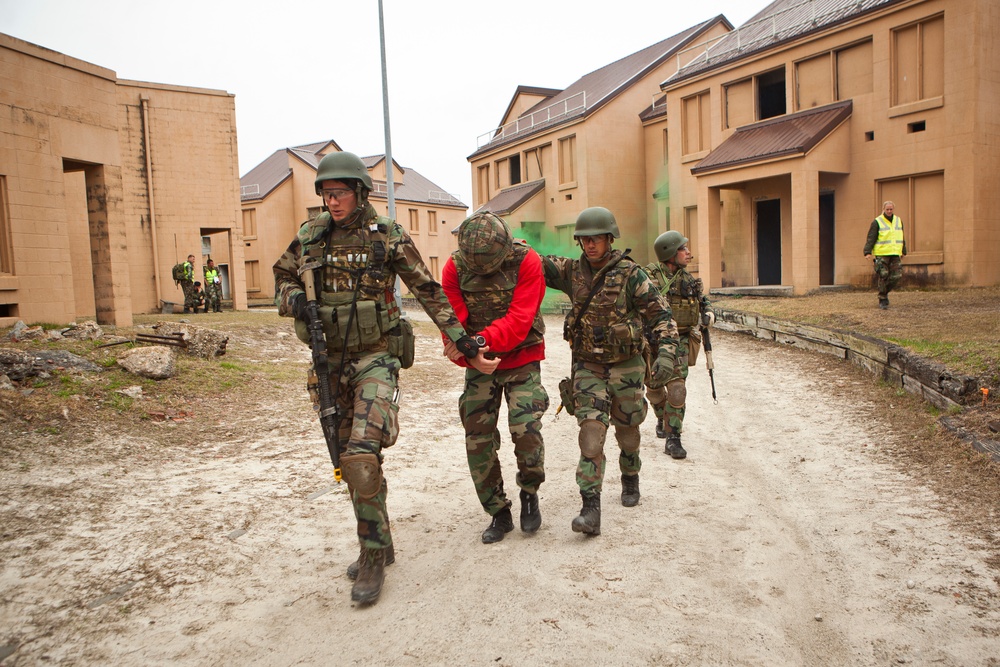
(104,185)
(784,138)
(279,194)
(557,152)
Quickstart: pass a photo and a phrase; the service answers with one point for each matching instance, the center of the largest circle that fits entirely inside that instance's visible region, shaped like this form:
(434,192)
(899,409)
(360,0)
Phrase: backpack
(178,271)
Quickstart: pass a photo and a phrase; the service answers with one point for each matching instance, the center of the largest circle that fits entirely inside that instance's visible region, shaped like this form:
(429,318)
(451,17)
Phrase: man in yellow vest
(886,246)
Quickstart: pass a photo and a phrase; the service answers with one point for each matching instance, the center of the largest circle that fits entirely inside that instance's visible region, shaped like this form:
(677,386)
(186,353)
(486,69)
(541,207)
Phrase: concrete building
(557,152)
(785,136)
(104,185)
(279,194)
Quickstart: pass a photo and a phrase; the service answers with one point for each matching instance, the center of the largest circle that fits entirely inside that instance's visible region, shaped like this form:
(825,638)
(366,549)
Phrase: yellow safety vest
(890,237)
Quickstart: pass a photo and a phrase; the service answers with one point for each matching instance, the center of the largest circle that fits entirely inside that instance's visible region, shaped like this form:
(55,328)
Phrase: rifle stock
(321,365)
(708,359)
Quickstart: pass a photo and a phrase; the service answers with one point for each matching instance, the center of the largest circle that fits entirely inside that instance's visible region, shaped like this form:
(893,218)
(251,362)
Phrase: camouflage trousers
(673,418)
(479,407)
(191,298)
(605,395)
(213,296)
(368,422)
(888,269)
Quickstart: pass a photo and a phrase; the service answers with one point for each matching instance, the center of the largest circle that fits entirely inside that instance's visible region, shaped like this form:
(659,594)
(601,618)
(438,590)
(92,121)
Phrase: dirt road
(786,538)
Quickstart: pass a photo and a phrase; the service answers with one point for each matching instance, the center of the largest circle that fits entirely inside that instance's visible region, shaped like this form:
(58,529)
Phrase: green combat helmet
(667,244)
(484,242)
(595,221)
(342,166)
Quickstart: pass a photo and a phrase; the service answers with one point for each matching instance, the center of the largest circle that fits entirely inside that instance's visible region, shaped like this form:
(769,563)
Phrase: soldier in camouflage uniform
(496,287)
(690,308)
(213,287)
(612,300)
(359,254)
(187,286)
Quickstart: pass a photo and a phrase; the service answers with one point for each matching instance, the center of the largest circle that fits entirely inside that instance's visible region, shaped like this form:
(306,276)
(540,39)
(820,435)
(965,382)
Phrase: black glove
(469,346)
(299,310)
(707,319)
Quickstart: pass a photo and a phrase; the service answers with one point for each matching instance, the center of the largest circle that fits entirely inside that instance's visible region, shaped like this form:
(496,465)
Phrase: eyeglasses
(337,193)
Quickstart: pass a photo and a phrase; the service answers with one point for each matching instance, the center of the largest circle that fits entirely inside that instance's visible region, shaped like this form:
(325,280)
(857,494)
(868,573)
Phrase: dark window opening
(771,94)
(8,310)
(514,161)
(569,197)
(870,136)
(918,126)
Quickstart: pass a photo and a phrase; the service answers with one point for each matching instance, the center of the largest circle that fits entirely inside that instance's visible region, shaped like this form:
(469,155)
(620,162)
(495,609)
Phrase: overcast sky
(305,71)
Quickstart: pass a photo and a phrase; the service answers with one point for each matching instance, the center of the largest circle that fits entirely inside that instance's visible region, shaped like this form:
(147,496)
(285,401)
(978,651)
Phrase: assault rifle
(321,365)
(708,360)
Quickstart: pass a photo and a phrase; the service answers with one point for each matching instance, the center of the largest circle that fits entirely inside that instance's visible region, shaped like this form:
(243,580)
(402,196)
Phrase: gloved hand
(707,318)
(299,310)
(470,346)
(663,366)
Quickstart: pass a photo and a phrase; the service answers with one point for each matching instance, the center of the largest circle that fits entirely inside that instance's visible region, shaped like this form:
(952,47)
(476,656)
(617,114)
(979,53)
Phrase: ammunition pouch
(566,395)
(402,342)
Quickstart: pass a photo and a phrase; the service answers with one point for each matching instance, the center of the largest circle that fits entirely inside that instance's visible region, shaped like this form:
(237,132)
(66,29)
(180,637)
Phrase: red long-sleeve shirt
(507,332)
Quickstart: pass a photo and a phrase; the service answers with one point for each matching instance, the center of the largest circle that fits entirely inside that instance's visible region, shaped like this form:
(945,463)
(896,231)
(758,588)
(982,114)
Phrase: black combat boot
(660,432)
(390,558)
(501,524)
(589,521)
(531,517)
(371,574)
(630,490)
(674,447)
(883,302)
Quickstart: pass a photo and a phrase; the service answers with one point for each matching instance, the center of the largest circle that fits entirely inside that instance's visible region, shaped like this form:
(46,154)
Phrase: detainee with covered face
(612,301)
(359,254)
(495,284)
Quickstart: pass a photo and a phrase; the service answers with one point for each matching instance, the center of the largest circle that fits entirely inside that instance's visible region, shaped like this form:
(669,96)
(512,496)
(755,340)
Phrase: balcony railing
(543,116)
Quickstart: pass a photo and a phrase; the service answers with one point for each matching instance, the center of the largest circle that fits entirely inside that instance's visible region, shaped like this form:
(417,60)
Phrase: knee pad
(628,438)
(363,473)
(592,434)
(676,393)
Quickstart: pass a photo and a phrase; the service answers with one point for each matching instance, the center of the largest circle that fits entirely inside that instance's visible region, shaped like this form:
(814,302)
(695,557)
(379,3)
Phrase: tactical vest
(488,297)
(890,237)
(609,332)
(685,299)
(355,275)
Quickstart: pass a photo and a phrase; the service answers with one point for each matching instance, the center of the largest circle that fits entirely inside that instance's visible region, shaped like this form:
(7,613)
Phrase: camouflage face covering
(484,241)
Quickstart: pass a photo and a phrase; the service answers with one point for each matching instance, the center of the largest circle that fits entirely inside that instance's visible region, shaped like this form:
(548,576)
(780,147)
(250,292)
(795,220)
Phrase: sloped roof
(794,134)
(509,200)
(594,90)
(779,22)
(655,110)
(547,93)
(261,181)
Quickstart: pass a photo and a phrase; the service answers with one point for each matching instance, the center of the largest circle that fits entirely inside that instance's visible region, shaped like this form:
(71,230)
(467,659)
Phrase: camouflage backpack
(178,271)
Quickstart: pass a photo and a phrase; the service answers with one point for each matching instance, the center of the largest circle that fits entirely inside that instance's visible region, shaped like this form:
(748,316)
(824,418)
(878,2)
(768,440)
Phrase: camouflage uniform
(191,299)
(608,366)
(688,304)
(488,298)
(213,290)
(361,258)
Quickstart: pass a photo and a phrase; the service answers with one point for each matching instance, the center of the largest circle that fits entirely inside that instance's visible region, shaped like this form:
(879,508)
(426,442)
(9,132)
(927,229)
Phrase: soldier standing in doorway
(213,287)
(886,246)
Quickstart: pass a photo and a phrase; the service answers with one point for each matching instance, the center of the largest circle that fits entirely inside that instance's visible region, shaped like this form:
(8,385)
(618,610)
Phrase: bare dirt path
(786,538)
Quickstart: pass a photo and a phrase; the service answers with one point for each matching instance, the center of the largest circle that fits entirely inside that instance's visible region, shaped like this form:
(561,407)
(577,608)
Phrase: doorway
(769,242)
(826,238)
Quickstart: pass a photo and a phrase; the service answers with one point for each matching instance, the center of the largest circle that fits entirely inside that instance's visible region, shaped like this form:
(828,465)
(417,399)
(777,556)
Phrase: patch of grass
(70,386)
(231,366)
(120,402)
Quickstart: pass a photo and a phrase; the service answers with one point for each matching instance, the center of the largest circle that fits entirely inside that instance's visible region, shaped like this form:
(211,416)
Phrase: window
(739,103)
(567,161)
(483,183)
(696,118)
(919,202)
(514,169)
(206,246)
(666,148)
(854,70)
(250,223)
(6,247)
(771,94)
(435,272)
(918,61)
(432,222)
(253,276)
(814,81)
(533,164)
(414,221)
